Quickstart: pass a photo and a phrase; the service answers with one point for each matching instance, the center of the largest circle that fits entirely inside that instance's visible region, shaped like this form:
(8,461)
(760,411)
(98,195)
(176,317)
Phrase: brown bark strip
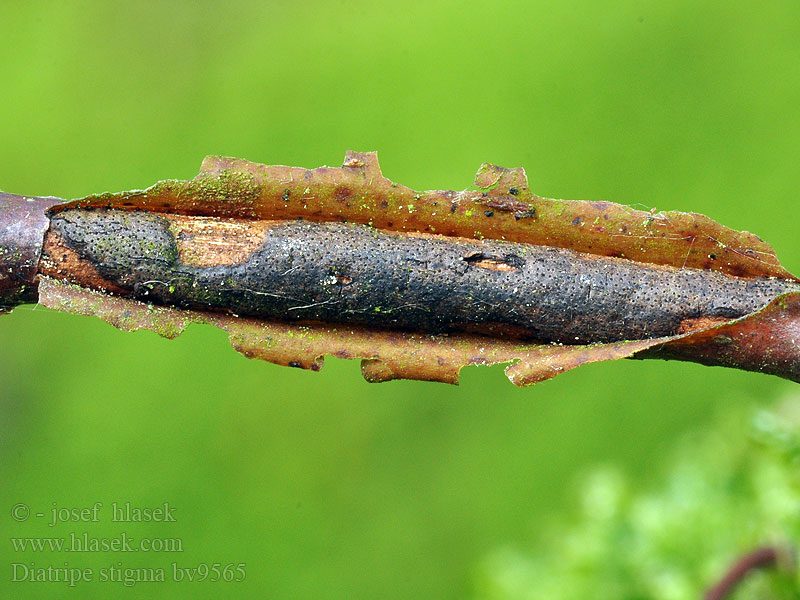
(500,207)
(60,261)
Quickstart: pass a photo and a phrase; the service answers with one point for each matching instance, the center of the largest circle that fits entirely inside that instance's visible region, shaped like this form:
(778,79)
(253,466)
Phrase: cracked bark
(298,263)
(353,274)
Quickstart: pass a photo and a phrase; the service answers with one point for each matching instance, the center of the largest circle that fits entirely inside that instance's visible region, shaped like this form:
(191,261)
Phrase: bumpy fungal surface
(347,273)
(298,263)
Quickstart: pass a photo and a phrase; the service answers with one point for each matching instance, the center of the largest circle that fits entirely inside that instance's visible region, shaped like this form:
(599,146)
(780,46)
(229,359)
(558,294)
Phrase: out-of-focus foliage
(727,492)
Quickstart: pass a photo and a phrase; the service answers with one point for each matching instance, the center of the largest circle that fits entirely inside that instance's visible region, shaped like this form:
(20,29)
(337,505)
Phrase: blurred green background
(324,485)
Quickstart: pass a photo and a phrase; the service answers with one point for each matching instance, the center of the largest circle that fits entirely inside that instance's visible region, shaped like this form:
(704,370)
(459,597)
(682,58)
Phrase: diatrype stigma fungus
(298,263)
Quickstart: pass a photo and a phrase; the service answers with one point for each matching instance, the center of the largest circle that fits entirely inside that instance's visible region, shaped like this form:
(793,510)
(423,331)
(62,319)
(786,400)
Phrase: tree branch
(552,283)
(768,557)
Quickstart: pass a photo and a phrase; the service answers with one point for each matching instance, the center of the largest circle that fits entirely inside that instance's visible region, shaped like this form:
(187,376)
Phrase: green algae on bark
(357,275)
(499,209)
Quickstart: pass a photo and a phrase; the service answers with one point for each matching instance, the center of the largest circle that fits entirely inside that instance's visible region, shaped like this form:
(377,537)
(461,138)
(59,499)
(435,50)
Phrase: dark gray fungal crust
(347,273)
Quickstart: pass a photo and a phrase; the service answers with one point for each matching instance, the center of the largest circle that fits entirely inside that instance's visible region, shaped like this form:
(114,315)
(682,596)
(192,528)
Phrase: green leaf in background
(727,491)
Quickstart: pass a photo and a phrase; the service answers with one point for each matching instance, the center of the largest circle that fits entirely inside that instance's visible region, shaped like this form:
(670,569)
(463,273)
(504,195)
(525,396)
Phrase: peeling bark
(501,206)
(298,263)
(346,273)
